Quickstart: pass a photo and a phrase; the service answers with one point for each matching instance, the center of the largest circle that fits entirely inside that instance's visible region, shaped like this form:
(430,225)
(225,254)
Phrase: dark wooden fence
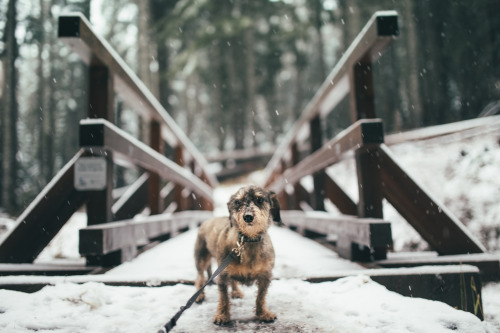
(168,184)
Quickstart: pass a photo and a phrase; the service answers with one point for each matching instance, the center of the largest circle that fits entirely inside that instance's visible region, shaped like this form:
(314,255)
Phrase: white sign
(90,173)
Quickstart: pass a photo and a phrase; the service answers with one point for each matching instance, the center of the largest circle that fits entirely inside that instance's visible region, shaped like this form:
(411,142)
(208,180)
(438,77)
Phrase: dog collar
(248,239)
(240,244)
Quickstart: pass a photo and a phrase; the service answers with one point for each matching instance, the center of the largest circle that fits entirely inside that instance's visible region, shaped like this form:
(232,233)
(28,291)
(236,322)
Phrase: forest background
(233,74)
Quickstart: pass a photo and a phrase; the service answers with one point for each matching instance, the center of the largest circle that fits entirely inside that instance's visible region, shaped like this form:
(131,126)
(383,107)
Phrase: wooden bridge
(176,188)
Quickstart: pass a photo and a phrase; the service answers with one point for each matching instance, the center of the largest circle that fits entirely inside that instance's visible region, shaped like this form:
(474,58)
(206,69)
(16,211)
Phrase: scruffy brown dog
(251,212)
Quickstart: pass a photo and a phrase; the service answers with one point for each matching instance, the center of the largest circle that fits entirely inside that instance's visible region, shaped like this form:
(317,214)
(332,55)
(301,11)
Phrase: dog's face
(252,210)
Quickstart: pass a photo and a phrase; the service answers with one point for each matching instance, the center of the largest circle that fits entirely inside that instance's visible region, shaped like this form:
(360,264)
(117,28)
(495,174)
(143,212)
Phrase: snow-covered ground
(352,304)
(462,174)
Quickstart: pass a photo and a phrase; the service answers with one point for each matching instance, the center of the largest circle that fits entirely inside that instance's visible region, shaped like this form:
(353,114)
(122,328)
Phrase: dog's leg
(202,258)
(222,315)
(235,290)
(261,308)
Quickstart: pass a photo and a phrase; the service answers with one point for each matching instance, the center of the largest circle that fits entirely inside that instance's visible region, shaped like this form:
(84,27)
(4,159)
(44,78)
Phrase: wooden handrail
(377,34)
(101,134)
(76,31)
(490,123)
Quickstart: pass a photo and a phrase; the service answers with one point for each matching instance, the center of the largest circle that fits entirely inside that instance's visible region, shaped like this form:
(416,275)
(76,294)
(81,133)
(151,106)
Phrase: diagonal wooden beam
(434,222)
(44,217)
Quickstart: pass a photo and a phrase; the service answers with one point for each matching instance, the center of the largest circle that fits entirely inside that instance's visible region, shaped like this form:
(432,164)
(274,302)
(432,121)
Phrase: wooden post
(370,196)
(101,94)
(296,187)
(99,202)
(284,198)
(101,105)
(156,142)
(319,177)
(362,92)
(370,193)
(179,159)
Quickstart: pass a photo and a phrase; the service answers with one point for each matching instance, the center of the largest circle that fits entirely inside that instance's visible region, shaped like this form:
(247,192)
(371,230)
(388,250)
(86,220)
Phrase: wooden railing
(353,73)
(379,175)
(168,184)
(109,73)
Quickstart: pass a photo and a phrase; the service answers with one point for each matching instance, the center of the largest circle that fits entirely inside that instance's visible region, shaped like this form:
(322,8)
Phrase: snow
(351,304)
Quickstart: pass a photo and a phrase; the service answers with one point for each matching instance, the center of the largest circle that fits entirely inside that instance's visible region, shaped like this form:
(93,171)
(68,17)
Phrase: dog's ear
(229,210)
(275,208)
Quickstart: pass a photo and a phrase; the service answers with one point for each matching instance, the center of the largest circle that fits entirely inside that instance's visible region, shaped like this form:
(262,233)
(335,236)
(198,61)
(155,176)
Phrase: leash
(236,252)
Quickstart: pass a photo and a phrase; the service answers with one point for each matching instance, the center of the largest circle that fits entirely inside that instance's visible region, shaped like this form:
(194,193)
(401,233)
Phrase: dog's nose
(248,218)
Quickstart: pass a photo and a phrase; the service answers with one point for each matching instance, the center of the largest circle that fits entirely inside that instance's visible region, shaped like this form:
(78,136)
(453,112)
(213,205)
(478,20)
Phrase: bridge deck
(355,303)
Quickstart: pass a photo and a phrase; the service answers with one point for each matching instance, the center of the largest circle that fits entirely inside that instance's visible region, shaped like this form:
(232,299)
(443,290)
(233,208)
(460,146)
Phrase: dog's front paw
(200,298)
(267,316)
(221,319)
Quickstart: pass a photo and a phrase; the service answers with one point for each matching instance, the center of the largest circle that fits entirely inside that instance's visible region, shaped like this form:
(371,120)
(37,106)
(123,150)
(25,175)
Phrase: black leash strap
(230,257)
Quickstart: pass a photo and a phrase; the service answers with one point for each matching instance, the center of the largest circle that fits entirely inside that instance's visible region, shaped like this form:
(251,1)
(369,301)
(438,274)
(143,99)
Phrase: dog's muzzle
(248,218)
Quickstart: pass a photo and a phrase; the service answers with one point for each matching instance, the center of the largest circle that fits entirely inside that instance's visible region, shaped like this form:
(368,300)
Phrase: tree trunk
(318,24)
(158,10)
(414,97)
(9,121)
(235,106)
(251,107)
(145,47)
(217,103)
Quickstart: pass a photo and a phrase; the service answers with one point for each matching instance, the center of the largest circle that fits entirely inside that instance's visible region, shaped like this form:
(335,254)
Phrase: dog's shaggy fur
(251,212)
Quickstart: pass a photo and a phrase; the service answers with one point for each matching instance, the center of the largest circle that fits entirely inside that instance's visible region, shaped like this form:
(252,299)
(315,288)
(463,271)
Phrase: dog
(252,211)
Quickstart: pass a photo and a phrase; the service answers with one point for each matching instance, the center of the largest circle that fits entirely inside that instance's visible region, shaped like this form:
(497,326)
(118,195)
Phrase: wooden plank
(339,198)
(377,34)
(34,283)
(101,134)
(478,124)
(356,239)
(133,201)
(458,286)
(45,269)
(437,226)
(364,231)
(75,30)
(300,196)
(43,218)
(109,237)
(488,264)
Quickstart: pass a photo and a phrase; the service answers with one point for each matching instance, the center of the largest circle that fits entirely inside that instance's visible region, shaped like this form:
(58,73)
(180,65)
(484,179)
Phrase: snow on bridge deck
(351,304)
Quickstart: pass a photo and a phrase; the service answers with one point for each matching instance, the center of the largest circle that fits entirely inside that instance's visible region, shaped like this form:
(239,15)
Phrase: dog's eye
(237,202)
(260,200)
